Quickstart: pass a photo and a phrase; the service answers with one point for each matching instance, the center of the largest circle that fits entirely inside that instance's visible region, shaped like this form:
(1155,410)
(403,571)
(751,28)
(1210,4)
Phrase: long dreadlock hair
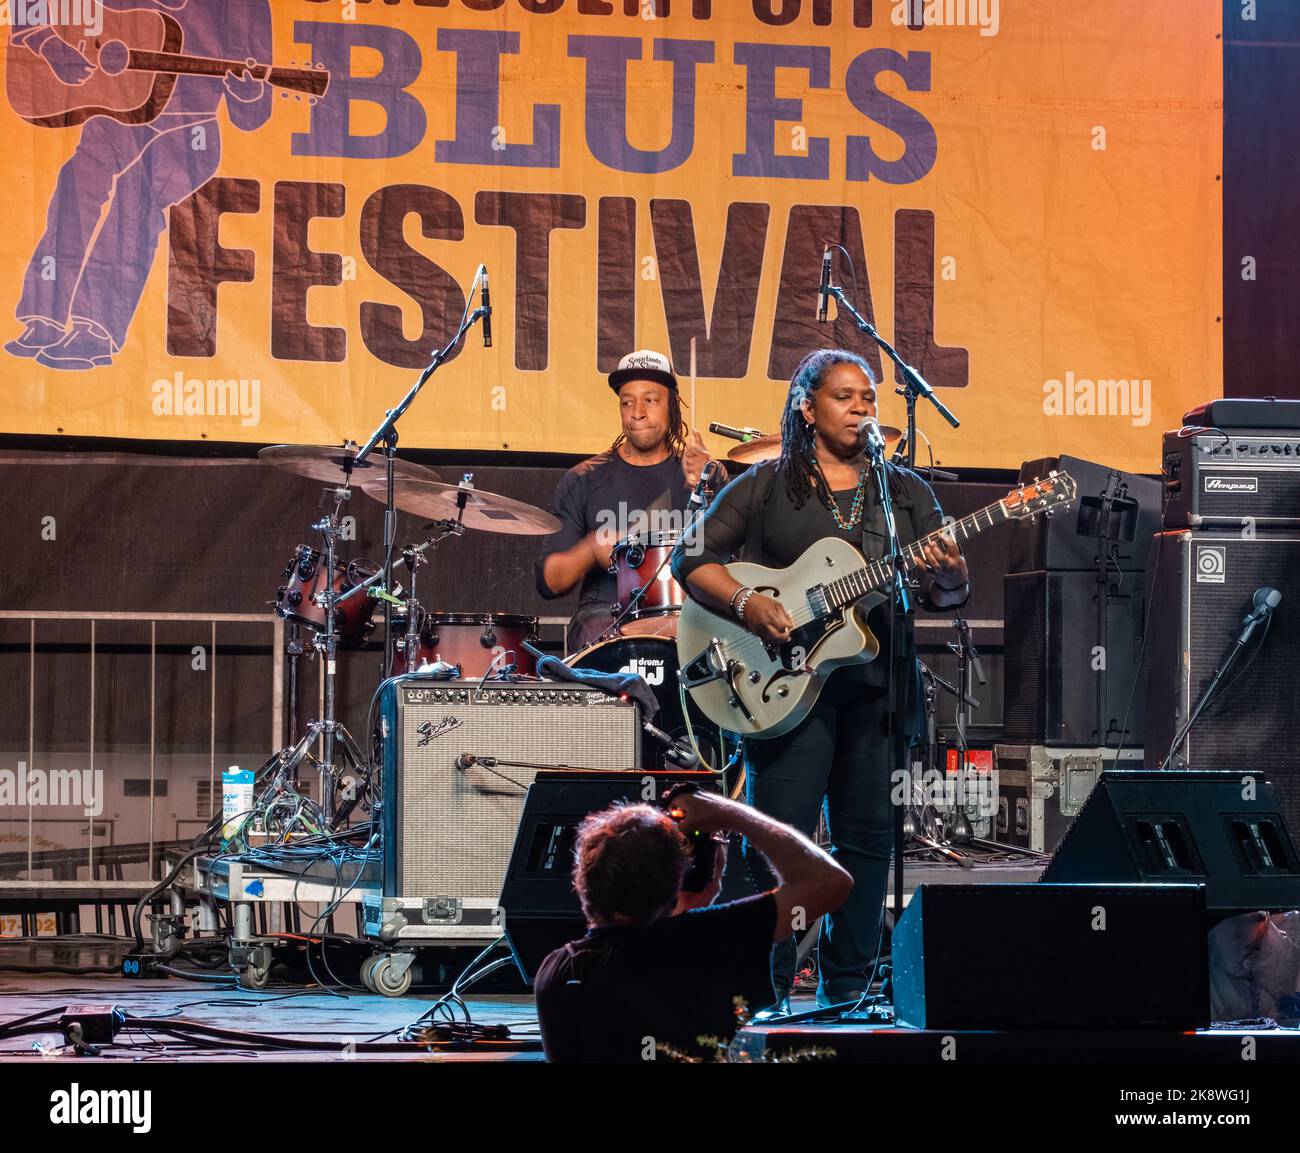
(677,430)
(798,463)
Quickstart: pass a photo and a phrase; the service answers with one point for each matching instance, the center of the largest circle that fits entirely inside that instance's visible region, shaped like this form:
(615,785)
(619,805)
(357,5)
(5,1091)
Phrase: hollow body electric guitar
(758,689)
(136,58)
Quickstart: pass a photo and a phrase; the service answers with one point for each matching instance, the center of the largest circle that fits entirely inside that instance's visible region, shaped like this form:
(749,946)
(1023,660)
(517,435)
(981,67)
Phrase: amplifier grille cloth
(456,829)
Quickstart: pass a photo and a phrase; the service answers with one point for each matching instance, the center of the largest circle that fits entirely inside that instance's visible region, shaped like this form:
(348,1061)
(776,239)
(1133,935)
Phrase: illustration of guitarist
(135,158)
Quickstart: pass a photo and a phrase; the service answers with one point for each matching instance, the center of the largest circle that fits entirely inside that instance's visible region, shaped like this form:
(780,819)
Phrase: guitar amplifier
(1230,479)
(449,825)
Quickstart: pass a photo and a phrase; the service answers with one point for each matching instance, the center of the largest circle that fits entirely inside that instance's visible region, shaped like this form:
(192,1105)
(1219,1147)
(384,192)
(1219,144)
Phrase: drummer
(648,471)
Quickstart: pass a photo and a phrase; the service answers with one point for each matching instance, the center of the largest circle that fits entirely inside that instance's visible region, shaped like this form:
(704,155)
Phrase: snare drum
(641,562)
(475,641)
(296,600)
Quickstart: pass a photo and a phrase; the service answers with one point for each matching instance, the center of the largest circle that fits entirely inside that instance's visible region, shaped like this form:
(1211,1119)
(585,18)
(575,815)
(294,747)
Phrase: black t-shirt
(754,519)
(607,492)
(621,990)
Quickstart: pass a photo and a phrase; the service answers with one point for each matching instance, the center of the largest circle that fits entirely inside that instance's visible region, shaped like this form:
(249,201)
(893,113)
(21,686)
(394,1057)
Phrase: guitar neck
(179,64)
(878,573)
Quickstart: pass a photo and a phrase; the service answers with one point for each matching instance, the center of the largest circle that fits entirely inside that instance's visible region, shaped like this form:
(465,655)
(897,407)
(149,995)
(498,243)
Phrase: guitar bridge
(714,665)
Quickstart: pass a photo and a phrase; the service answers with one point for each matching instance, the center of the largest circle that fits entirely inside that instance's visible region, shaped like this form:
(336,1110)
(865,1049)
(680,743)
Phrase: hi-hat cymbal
(485,511)
(324,462)
(763,448)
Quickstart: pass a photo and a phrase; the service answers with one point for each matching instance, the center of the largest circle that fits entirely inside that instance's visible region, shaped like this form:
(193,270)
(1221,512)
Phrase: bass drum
(655,659)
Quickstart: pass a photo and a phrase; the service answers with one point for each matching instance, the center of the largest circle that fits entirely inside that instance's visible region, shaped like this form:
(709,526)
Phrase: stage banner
(238,220)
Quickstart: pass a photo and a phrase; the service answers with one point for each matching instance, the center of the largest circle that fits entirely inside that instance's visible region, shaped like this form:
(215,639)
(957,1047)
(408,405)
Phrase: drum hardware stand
(294,650)
(328,729)
(413,557)
(968,661)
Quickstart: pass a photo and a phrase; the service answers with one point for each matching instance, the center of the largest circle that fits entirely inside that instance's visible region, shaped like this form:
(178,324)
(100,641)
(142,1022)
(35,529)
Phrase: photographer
(642,978)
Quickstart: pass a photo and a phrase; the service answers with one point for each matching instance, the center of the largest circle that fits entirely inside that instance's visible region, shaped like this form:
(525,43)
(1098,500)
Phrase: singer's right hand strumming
(767,619)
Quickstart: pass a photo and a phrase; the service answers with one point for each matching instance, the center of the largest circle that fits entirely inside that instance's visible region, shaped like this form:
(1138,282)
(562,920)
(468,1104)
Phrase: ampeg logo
(1232,484)
(1211,564)
(649,669)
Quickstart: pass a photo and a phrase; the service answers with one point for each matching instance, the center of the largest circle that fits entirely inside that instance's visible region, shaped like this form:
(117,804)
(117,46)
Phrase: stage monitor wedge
(1222,829)
(1052,957)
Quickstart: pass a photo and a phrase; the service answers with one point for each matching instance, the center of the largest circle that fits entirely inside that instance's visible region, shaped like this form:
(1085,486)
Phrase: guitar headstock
(1056,490)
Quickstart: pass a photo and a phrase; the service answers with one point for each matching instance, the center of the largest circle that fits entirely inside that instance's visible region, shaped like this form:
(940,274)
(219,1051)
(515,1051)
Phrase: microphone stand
(387,432)
(914,384)
(1240,643)
(901,608)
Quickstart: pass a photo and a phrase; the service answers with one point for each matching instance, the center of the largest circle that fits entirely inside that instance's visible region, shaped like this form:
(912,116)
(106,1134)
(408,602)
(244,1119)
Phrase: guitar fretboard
(878,573)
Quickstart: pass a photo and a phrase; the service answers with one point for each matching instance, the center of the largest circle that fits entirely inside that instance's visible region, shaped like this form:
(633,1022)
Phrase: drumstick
(695,420)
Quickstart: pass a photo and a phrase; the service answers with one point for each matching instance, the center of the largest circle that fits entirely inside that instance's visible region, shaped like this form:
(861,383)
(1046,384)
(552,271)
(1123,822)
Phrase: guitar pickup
(817,601)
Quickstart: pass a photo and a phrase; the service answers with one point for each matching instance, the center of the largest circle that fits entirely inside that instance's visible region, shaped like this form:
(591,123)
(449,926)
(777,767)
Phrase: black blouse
(754,519)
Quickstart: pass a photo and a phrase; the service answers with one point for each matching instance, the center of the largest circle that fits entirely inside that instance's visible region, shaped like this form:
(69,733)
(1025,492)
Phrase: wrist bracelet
(744,600)
(731,604)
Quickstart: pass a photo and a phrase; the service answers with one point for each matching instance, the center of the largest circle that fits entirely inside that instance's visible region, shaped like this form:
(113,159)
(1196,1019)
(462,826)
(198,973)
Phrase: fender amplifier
(451,802)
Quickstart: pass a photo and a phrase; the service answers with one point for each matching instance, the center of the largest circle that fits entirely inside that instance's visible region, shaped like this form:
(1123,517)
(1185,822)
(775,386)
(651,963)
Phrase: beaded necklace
(855,512)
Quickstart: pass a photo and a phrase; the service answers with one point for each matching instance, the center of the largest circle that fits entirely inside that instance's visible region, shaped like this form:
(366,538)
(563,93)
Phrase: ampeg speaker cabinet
(449,824)
(1052,957)
(541,908)
(1071,658)
(1224,830)
(1230,479)
(1202,586)
(1056,543)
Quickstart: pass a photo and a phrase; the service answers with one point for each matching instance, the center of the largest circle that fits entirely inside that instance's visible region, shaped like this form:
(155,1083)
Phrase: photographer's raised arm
(809,884)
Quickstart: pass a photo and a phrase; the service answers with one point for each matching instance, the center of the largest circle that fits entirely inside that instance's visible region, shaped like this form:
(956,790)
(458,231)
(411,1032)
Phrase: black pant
(839,756)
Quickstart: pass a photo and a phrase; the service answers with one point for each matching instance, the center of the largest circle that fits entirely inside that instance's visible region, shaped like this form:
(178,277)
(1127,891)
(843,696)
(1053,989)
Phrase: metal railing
(152,619)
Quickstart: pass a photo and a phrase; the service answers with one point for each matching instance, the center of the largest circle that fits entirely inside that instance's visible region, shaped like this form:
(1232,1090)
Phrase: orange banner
(255,222)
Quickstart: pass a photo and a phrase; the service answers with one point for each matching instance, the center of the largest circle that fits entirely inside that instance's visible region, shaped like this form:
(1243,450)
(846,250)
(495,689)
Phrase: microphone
(824,292)
(486,300)
(1266,600)
(469,760)
(678,752)
(869,434)
(900,456)
(697,496)
(741,434)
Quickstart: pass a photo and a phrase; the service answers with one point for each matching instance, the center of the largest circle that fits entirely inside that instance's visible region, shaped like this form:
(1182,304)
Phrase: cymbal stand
(327,729)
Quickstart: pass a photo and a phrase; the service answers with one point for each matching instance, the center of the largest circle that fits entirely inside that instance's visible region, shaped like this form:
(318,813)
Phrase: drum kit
(336,602)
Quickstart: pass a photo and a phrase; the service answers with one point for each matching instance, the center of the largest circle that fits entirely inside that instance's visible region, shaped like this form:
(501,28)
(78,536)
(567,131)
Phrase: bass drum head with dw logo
(655,659)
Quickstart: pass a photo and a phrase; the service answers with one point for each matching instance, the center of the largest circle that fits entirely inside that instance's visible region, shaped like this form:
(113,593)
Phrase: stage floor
(364,1027)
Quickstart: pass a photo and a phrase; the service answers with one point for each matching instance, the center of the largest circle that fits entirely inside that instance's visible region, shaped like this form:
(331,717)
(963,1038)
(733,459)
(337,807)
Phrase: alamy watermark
(660,526)
(81,14)
(215,397)
(982,14)
(1080,396)
(82,789)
